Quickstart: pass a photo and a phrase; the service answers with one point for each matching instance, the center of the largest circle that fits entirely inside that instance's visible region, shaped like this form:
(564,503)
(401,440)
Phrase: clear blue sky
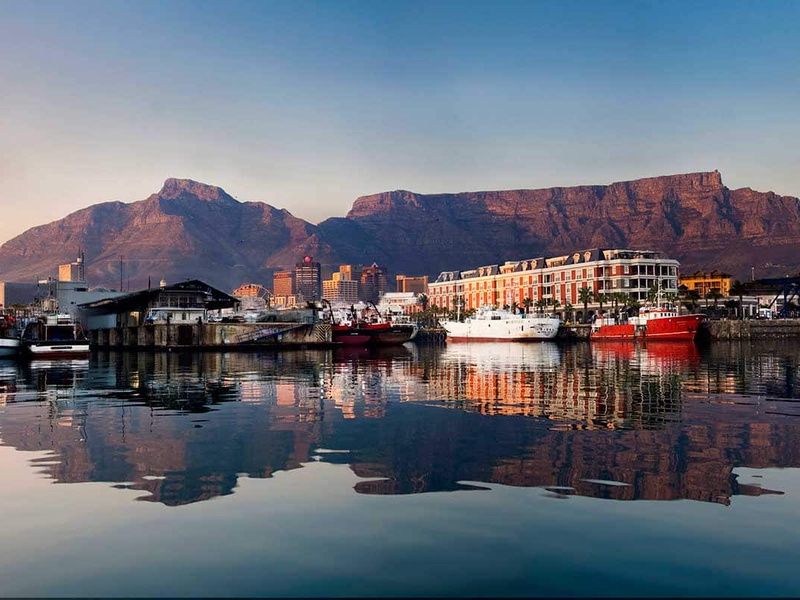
(307,105)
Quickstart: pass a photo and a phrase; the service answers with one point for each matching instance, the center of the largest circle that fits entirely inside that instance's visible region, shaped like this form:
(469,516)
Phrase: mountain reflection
(621,421)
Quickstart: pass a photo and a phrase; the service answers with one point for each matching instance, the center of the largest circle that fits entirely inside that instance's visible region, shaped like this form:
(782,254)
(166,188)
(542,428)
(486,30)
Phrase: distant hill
(189,229)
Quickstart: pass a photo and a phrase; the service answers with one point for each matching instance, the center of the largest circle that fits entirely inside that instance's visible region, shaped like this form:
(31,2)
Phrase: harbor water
(460,469)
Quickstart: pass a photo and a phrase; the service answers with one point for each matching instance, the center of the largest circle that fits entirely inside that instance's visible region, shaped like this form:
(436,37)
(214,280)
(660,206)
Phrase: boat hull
(614,332)
(682,328)
(352,337)
(397,334)
(518,330)
(9,347)
(61,350)
(379,335)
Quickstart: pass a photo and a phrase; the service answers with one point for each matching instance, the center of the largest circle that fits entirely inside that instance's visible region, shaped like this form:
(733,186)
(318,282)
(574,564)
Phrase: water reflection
(621,421)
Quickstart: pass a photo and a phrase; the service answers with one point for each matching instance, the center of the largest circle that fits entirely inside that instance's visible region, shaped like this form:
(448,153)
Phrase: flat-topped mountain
(189,229)
(692,217)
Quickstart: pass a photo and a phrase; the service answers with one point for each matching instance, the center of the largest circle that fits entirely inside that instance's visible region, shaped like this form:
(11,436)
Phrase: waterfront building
(340,289)
(412,283)
(400,302)
(308,279)
(181,303)
(705,282)
(558,279)
(374,283)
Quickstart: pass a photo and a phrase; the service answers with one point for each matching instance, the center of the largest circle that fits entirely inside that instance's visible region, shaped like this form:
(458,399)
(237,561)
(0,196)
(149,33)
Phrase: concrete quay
(760,329)
(207,336)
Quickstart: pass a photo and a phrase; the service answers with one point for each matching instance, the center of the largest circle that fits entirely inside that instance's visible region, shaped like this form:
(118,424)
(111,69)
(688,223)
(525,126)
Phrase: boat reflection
(628,422)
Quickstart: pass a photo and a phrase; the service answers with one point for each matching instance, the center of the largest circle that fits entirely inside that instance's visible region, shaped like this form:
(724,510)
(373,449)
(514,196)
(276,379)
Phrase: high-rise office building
(373,283)
(283,283)
(308,279)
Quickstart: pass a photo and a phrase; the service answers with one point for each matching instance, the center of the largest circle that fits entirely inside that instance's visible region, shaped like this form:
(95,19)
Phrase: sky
(308,105)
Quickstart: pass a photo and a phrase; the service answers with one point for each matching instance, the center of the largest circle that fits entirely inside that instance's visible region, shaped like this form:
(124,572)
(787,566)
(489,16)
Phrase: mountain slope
(189,229)
(185,230)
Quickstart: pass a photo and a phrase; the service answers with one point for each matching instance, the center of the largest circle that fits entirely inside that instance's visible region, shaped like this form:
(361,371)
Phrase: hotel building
(412,283)
(558,278)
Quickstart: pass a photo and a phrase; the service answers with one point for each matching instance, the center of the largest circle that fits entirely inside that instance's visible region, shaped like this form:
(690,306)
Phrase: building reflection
(619,421)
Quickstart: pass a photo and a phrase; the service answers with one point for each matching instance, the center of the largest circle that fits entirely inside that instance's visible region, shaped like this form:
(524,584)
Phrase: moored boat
(496,325)
(55,336)
(9,340)
(608,327)
(369,328)
(658,322)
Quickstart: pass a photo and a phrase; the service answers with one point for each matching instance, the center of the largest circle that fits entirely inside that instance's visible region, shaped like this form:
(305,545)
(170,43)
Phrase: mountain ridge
(191,229)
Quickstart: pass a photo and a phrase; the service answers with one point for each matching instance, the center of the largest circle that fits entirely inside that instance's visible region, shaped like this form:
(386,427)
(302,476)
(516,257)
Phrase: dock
(213,336)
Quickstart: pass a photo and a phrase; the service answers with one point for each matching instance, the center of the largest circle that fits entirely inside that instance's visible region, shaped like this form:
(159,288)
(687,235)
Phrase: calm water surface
(483,469)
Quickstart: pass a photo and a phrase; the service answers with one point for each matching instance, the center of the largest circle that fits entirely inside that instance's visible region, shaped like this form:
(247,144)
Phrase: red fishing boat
(659,322)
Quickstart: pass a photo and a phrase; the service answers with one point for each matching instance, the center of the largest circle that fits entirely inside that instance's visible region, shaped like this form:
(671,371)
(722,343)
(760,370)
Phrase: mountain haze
(189,229)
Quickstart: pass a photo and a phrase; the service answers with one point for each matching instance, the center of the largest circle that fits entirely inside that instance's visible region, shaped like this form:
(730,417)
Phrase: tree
(527,302)
(692,299)
(714,295)
(568,309)
(739,289)
(585,296)
(600,298)
(423,300)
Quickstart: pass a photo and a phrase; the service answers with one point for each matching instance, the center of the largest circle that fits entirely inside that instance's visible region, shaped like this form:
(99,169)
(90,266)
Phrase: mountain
(189,229)
(692,217)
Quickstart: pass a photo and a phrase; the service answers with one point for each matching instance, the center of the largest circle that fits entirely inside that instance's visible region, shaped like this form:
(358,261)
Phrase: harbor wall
(753,329)
(213,335)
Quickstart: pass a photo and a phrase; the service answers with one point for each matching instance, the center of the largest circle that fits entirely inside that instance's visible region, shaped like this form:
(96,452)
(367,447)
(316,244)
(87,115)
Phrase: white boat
(8,347)
(495,325)
(55,336)
(9,342)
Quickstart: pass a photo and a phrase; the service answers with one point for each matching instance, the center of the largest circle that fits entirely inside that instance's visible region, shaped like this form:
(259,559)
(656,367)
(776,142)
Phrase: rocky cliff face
(693,217)
(189,229)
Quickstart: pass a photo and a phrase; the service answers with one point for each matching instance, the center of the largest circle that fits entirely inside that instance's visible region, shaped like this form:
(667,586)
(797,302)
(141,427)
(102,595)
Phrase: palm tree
(527,302)
(738,289)
(540,304)
(715,295)
(568,309)
(585,296)
(692,299)
(599,297)
(423,300)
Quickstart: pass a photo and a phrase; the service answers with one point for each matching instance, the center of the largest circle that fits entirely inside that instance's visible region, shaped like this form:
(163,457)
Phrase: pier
(213,336)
